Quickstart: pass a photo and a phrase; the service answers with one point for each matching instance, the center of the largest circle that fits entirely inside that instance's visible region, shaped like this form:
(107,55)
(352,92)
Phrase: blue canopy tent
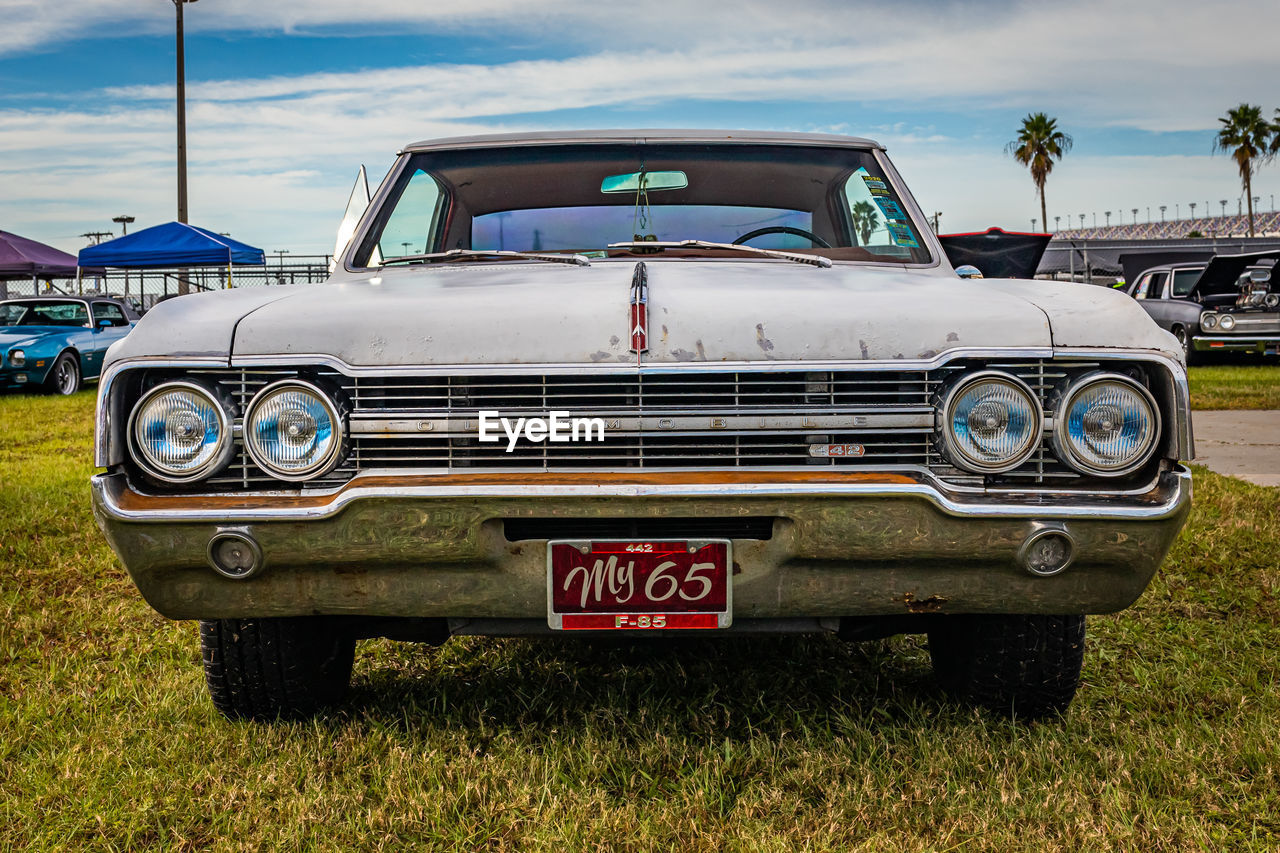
(174,244)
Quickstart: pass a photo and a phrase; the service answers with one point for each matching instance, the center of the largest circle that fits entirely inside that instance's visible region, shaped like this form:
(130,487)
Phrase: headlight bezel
(224,450)
(1065,396)
(17,357)
(952,448)
(335,409)
(1226,322)
(1209,320)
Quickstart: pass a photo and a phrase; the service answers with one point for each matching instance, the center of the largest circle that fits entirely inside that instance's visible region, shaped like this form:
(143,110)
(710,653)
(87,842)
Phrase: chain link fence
(147,287)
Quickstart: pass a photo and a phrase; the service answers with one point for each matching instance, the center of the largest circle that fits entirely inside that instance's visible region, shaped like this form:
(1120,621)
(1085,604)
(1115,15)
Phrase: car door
(109,325)
(1152,298)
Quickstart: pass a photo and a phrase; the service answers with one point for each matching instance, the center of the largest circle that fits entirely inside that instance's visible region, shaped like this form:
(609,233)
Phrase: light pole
(1033,223)
(124,221)
(182,114)
(1107,214)
(1135,215)
(1082,222)
(1057,226)
(1095,219)
(1148,214)
(1177,211)
(1223,202)
(1192,205)
(1163,207)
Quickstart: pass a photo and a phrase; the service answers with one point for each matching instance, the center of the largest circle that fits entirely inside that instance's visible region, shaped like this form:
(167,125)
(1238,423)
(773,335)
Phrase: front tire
(1184,338)
(1023,666)
(64,377)
(265,669)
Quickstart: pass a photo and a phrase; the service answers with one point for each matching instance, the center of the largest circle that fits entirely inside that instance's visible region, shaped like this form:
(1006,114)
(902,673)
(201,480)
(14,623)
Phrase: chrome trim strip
(107,488)
(435,423)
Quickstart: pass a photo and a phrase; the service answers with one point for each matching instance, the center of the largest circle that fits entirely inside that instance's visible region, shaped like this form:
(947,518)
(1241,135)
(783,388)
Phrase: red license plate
(629,585)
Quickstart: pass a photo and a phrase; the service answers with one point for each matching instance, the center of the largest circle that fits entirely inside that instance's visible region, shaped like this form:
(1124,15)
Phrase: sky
(285,101)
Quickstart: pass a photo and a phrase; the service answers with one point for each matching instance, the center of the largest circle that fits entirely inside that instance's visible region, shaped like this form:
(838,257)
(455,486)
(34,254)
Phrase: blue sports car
(58,341)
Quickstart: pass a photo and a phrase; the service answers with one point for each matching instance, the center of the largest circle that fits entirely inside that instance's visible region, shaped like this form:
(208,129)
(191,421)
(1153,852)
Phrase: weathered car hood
(698,311)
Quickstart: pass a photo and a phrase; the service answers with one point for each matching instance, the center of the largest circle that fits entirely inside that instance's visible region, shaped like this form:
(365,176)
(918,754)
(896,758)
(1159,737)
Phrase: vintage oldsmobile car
(1227,304)
(58,342)
(647,382)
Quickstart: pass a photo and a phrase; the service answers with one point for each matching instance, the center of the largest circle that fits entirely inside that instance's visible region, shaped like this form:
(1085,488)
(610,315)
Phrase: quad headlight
(990,422)
(18,358)
(1226,322)
(293,430)
(1105,425)
(179,432)
(1208,320)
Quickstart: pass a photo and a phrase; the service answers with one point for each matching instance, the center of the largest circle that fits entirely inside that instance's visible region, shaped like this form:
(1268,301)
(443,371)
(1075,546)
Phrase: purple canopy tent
(21,258)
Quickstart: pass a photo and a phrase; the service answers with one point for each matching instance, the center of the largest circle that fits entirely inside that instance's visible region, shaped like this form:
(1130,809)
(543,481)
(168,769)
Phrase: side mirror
(104,323)
(968,271)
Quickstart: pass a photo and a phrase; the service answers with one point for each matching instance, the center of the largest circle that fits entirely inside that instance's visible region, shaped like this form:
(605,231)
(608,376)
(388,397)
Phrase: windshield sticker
(902,235)
(890,208)
(875,186)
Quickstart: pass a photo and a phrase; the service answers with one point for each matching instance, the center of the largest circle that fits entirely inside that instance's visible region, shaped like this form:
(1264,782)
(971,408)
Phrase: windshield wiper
(455,254)
(812,260)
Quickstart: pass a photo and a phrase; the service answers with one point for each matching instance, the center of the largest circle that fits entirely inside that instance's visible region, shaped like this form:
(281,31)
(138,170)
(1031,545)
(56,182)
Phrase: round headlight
(1208,321)
(1226,322)
(293,431)
(18,358)
(1105,425)
(991,422)
(178,432)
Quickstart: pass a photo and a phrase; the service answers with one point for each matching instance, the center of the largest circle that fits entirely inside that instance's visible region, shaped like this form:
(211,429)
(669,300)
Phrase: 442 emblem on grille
(829,450)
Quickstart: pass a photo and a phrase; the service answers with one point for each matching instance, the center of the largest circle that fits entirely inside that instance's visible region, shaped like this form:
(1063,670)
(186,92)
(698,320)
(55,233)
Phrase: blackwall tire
(64,377)
(1184,338)
(266,669)
(1021,666)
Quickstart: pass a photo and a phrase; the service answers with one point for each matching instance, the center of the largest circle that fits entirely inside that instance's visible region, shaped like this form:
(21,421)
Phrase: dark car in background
(58,342)
(1228,304)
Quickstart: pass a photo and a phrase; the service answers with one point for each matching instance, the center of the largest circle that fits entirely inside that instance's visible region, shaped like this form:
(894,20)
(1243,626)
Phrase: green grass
(1235,386)
(108,741)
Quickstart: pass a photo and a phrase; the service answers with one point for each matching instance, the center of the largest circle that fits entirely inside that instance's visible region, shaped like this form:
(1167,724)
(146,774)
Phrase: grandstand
(1264,225)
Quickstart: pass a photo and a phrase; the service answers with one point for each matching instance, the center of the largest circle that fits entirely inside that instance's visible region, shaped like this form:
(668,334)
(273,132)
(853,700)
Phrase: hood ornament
(640,309)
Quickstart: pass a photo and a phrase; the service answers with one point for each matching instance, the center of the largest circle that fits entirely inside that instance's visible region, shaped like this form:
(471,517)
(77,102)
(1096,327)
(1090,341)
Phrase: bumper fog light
(1047,553)
(235,555)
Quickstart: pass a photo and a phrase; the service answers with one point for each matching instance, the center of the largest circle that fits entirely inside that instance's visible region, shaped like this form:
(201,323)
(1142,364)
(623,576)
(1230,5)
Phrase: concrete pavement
(1244,444)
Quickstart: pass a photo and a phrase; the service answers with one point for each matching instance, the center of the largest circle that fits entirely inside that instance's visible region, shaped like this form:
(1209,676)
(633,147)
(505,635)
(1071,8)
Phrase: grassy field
(108,741)
(1235,386)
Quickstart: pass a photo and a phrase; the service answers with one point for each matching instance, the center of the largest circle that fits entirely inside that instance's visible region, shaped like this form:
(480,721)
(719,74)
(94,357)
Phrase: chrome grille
(399,402)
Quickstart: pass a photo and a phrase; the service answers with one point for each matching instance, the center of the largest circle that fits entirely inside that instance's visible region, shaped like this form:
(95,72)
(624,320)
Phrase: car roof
(641,137)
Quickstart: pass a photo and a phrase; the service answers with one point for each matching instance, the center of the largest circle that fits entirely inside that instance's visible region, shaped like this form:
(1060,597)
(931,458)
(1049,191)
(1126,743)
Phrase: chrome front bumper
(842,546)
(1237,343)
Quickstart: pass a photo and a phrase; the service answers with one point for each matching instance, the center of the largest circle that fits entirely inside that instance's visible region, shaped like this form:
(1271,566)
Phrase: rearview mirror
(647,181)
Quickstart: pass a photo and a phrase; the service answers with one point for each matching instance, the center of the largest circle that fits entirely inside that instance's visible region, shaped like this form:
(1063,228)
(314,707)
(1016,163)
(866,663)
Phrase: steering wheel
(783,229)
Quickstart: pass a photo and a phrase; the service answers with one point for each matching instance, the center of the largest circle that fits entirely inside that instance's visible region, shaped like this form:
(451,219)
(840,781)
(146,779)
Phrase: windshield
(44,313)
(833,202)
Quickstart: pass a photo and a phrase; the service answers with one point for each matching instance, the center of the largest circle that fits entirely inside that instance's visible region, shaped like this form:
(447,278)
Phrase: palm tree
(1039,143)
(865,220)
(1251,140)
